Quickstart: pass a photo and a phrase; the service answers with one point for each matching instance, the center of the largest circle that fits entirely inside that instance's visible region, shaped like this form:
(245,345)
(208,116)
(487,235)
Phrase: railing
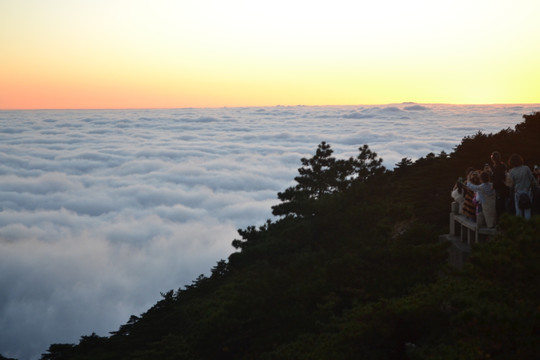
(464,233)
(466,230)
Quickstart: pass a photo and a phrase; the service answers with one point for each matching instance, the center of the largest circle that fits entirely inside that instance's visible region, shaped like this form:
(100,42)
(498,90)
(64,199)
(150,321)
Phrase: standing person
(522,181)
(536,195)
(486,197)
(469,208)
(474,179)
(458,194)
(487,168)
(498,178)
(536,173)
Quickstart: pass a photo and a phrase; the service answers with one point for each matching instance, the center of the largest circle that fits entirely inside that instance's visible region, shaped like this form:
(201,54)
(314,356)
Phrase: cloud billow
(101,210)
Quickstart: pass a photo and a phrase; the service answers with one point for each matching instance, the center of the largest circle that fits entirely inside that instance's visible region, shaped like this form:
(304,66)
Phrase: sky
(101,210)
(62,54)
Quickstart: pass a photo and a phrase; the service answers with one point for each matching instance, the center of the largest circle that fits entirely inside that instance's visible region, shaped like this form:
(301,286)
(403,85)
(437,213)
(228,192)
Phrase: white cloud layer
(102,210)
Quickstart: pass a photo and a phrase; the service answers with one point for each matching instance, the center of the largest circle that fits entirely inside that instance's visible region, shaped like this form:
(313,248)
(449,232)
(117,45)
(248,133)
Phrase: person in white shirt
(486,196)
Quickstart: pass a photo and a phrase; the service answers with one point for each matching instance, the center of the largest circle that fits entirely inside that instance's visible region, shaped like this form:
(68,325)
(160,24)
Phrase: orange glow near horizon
(191,53)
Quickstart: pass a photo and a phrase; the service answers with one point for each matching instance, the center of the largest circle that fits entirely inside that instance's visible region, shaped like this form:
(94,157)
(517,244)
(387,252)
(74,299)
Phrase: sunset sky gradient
(211,53)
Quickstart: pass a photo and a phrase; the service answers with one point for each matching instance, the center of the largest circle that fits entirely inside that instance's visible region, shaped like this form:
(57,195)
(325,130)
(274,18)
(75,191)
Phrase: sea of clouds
(101,210)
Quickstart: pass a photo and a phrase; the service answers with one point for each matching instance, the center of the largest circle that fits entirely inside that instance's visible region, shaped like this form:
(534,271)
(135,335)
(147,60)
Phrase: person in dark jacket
(498,177)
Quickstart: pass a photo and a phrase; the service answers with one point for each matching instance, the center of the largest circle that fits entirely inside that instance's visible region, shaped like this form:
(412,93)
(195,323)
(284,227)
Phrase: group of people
(484,195)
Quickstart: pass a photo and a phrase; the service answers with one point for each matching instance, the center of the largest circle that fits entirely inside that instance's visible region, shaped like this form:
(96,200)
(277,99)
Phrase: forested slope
(352,269)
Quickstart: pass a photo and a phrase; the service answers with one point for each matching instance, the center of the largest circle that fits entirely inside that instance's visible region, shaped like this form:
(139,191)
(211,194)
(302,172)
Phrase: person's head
(474,177)
(487,167)
(484,176)
(469,170)
(536,169)
(496,157)
(515,160)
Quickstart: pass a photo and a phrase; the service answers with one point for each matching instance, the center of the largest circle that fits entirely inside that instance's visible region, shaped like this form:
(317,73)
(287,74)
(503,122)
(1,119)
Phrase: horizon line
(263,106)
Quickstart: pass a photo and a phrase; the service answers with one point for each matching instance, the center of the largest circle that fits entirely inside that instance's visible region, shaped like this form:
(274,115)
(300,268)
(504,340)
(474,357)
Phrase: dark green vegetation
(353,269)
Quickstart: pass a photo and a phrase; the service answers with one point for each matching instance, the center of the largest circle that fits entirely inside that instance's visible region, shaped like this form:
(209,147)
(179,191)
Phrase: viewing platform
(463,233)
